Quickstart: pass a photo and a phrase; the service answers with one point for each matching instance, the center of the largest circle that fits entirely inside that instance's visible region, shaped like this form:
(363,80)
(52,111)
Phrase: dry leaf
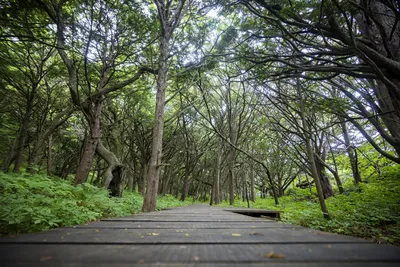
(195,258)
(155,233)
(45,258)
(274,255)
(187,235)
(236,234)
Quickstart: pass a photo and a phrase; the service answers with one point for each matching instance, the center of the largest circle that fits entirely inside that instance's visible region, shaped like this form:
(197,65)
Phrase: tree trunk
(149,203)
(325,183)
(310,154)
(169,20)
(49,156)
(143,178)
(22,135)
(90,145)
(113,176)
(231,175)
(252,189)
(352,155)
(383,33)
(131,183)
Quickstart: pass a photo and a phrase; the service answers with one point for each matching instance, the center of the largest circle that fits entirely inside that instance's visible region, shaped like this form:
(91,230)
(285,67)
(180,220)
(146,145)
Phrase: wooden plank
(199,235)
(182,236)
(184,225)
(291,253)
(209,264)
(197,219)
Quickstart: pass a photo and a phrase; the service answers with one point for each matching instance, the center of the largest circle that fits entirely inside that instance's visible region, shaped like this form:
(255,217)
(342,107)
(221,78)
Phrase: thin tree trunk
(19,149)
(252,189)
(351,153)
(49,155)
(310,155)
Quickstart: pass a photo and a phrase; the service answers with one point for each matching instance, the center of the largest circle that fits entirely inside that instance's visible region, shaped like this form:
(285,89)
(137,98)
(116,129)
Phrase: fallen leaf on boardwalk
(155,233)
(274,255)
(236,235)
(195,258)
(187,235)
(45,258)
(329,246)
(252,226)
(96,231)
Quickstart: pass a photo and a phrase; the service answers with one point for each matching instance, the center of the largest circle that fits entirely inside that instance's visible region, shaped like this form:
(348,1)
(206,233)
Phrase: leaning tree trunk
(310,154)
(112,177)
(325,183)
(90,145)
(382,29)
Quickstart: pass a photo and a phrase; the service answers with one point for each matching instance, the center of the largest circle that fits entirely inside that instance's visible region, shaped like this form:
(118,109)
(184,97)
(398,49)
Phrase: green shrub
(369,210)
(31,203)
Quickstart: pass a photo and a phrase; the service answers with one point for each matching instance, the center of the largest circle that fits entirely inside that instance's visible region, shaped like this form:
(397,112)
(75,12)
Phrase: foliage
(370,210)
(31,203)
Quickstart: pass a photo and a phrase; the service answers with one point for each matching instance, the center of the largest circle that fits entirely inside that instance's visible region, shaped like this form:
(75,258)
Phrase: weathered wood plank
(184,225)
(199,253)
(192,236)
(210,264)
(182,236)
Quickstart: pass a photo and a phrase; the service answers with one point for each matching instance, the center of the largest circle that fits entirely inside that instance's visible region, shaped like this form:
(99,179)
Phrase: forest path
(197,235)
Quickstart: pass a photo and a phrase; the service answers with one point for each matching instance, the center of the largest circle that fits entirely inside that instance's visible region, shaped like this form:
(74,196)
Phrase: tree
(170,14)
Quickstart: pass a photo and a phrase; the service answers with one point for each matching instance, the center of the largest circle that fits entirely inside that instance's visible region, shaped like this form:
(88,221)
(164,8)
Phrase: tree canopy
(216,100)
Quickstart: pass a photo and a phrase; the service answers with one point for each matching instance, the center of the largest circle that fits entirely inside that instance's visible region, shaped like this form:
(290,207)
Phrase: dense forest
(290,105)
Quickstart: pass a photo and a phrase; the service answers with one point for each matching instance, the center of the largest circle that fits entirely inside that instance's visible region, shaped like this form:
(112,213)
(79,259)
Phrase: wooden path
(198,235)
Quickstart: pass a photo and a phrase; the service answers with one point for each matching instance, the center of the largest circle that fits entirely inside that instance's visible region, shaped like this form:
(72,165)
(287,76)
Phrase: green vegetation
(370,210)
(31,203)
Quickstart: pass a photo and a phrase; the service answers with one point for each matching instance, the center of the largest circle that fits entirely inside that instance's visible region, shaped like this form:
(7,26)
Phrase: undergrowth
(31,203)
(370,210)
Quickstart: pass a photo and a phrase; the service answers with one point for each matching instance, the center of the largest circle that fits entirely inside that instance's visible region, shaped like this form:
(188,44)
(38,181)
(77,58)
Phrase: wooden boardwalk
(198,235)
